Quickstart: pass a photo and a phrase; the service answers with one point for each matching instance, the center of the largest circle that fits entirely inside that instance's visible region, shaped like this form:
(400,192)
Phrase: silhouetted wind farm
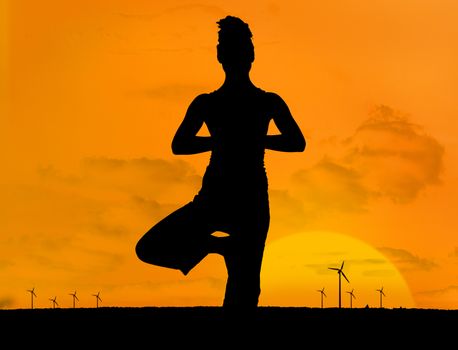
(97,298)
(74,297)
(32,295)
(352,296)
(381,294)
(340,273)
(54,302)
(322,294)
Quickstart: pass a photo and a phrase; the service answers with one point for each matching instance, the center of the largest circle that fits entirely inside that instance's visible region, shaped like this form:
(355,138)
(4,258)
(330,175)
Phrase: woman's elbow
(177,148)
(300,144)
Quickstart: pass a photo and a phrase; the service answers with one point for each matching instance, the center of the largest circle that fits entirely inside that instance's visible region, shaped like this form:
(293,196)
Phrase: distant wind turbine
(74,297)
(54,302)
(97,298)
(340,272)
(32,295)
(352,296)
(322,293)
(381,293)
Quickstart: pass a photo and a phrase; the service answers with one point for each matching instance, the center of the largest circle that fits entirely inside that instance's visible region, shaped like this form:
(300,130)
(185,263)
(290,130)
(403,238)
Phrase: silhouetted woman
(234,194)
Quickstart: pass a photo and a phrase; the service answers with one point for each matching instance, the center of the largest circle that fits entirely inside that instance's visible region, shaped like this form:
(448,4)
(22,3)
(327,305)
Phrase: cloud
(289,213)
(332,186)
(406,261)
(396,157)
(454,253)
(387,157)
(138,177)
(4,263)
(106,202)
(449,290)
(6,302)
(370,263)
(378,273)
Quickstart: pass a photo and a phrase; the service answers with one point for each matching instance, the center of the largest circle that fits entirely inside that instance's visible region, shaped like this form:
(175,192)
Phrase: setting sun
(296,266)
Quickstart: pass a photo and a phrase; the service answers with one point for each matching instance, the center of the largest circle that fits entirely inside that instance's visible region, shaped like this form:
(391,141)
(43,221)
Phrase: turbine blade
(342,265)
(345,276)
(333,268)
(325,295)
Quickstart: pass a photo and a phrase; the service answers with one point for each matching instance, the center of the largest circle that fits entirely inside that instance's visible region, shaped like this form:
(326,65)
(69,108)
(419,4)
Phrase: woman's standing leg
(243,263)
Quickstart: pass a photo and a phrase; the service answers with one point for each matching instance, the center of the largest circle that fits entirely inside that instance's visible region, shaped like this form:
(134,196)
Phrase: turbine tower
(97,298)
(352,296)
(340,273)
(322,293)
(74,297)
(54,302)
(381,293)
(32,295)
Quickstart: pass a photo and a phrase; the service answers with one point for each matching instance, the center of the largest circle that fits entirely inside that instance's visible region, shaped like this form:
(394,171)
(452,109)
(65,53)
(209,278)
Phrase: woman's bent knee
(140,250)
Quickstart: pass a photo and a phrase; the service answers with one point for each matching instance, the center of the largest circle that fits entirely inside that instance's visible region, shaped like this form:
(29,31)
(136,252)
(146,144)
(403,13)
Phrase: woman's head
(235,48)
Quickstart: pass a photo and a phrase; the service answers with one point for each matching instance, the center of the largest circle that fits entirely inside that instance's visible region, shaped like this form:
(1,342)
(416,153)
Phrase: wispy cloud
(407,261)
(332,186)
(374,266)
(441,292)
(289,213)
(454,253)
(6,302)
(100,204)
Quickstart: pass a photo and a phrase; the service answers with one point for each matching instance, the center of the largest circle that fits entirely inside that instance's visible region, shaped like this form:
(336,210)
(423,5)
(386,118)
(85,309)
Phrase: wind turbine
(32,294)
(381,293)
(352,296)
(322,293)
(54,302)
(97,298)
(74,297)
(340,272)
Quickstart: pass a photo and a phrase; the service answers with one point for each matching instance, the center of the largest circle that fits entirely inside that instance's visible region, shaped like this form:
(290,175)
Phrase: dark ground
(205,327)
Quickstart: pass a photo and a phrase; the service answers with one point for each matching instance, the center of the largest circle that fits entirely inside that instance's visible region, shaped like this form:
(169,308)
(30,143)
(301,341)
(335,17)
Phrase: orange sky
(92,93)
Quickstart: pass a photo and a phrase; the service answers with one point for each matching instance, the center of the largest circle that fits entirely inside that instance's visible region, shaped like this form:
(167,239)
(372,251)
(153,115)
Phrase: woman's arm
(185,140)
(290,138)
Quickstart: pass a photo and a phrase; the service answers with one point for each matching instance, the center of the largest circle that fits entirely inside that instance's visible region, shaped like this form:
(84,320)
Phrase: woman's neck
(239,81)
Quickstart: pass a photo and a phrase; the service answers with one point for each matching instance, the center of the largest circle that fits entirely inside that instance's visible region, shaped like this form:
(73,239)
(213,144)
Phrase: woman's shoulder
(272,99)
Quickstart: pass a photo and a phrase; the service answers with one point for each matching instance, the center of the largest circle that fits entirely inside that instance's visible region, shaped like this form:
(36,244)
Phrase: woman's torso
(238,123)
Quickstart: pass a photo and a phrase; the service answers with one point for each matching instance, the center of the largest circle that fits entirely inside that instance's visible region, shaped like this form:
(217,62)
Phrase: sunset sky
(92,92)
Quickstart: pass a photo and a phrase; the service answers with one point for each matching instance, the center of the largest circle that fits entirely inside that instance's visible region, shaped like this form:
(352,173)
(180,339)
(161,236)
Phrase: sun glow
(296,267)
